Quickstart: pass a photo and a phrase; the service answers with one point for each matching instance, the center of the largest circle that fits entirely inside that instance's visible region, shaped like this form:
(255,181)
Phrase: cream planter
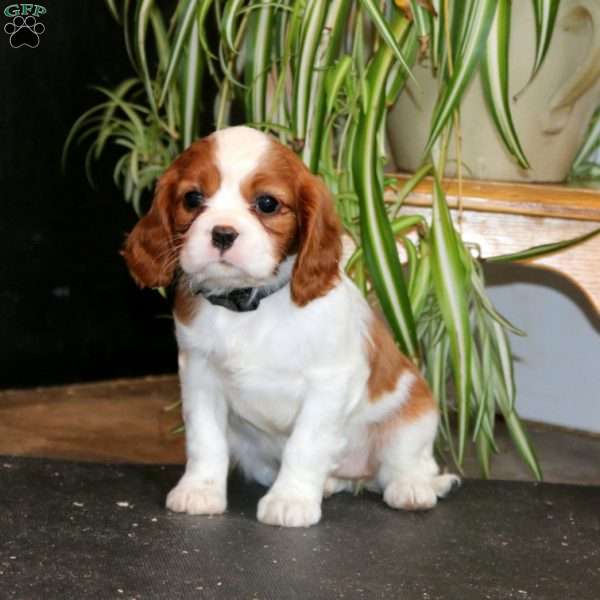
(551,114)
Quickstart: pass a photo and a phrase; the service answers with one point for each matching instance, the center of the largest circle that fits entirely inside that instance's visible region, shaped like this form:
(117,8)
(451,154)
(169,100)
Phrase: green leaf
(113,10)
(378,241)
(203,11)
(522,443)
(142,18)
(420,286)
(483,448)
(127,108)
(423,25)
(230,13)
(177,430)
(399,226)
(108,120)
(313,21)
(76,128)
(334,80)
(501,348)
(191,82)
(545,12)
(127,33)
(329,45)
(409,185)
(258,49)
(397,81)
(478,286)
(181,36)
(161,37)
(386,33)
(451,287)
(543,249)
(473,43)
(495,77)
(591,143)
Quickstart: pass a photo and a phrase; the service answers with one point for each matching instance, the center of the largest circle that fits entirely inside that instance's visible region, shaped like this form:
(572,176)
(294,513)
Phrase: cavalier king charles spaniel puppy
(285,370)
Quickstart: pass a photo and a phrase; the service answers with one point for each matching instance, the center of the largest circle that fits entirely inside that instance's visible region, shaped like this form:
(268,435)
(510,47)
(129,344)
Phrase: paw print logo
(24,31)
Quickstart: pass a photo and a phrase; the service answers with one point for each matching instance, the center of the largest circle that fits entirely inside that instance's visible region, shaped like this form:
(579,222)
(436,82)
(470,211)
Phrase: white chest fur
(262,361)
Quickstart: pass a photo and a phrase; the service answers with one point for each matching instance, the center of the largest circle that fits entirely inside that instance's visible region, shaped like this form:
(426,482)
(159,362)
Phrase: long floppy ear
(320,245)
(149,249)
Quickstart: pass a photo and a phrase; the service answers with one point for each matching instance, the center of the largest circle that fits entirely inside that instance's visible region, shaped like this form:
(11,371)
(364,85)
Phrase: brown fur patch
(385,360)
(387,363)
(419,402)
(185,304)
(152,248)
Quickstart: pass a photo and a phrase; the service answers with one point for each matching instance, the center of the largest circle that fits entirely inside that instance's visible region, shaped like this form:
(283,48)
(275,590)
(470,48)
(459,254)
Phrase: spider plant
(586,165)
(321,75)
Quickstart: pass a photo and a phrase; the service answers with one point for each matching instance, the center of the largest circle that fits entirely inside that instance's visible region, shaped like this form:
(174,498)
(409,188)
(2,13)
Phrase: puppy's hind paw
(196,499)
(418,493)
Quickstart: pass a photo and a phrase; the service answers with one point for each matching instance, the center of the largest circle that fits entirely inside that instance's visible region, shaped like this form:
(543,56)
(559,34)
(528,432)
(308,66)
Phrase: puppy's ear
(149,250)
(320,245)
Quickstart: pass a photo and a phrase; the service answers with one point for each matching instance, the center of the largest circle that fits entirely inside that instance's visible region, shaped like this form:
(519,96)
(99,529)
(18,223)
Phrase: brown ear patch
(149,251)
(152,249)
(320,242)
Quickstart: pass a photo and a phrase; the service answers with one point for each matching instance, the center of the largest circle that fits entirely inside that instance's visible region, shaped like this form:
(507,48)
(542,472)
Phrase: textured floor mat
(71,530)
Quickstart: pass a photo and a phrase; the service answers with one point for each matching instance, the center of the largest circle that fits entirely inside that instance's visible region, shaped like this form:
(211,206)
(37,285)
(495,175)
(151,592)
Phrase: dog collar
(240,299)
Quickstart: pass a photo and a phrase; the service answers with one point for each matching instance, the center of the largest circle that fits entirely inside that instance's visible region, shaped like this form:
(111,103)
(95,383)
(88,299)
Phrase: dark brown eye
(193,200)
(266,204)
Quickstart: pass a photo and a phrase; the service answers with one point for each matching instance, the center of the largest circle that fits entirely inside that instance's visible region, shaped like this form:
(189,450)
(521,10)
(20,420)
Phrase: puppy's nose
(223,236)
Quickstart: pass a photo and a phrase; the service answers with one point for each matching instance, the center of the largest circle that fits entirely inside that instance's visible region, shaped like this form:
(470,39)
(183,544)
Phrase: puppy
(285,370)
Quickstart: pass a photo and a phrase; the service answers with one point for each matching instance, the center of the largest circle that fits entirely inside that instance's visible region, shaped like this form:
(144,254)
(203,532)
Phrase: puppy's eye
(267,204)
(193,200)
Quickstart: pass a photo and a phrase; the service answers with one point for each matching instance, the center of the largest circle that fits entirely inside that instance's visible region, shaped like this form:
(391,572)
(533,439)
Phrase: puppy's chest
(261,374)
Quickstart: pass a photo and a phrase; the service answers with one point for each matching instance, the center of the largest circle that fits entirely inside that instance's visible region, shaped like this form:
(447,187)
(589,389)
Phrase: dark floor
(125,421)
(93,531)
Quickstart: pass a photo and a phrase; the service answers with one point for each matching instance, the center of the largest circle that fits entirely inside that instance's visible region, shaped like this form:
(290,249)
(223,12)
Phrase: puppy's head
(230,211)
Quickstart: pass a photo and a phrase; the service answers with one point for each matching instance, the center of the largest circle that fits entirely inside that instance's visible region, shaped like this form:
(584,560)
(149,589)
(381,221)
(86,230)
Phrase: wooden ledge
(538,200)
(501,218)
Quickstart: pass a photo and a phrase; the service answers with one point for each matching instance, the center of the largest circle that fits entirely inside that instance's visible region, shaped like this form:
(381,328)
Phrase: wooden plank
(514,198)
(115,421)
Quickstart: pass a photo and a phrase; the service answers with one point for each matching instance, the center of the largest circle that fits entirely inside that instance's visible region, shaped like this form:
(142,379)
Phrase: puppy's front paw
(196,499)
(288,511)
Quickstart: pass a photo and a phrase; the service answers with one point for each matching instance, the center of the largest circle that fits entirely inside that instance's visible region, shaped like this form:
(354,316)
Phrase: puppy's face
(229,211)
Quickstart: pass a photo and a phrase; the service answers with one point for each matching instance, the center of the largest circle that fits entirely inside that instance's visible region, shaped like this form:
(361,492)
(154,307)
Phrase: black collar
(241,299)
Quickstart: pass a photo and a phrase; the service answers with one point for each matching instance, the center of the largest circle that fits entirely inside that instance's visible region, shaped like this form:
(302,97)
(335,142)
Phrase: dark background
(68,309)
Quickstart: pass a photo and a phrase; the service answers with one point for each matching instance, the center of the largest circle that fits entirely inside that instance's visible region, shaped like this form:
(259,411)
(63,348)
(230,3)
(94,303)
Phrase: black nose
(223,236)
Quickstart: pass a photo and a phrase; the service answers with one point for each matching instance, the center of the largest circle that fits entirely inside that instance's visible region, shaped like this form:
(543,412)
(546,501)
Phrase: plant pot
(551,114)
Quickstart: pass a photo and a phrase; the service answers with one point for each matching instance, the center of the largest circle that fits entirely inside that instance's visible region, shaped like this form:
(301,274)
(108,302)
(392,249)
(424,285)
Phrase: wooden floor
(126,421)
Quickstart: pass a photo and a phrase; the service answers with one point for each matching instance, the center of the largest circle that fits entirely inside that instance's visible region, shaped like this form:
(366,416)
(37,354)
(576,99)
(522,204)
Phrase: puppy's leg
(202,489)
(408,473)
(309,456)
(334,485)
